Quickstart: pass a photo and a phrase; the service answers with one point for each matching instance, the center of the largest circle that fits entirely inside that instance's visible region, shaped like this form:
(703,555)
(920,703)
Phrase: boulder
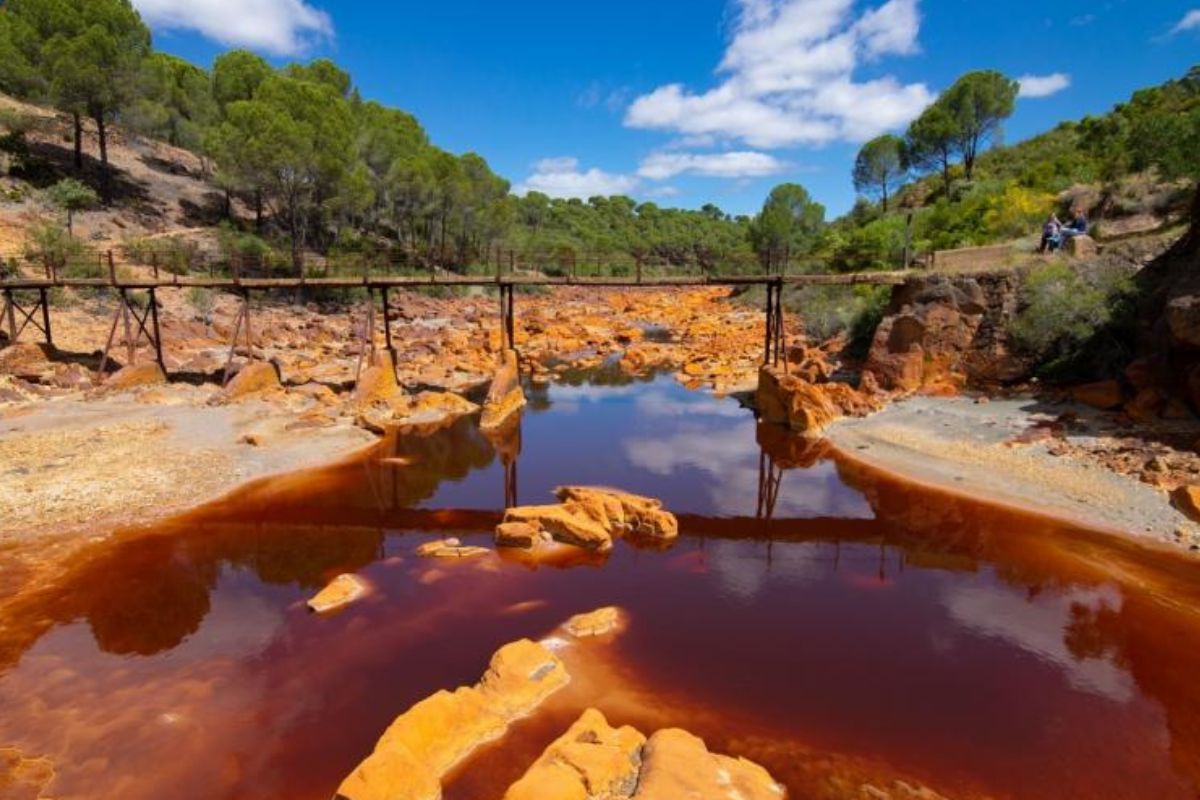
(806,407)
(433,736)
(564,524)
(1183,320)
(595,623)
(1187,500)
(591,760)
(517,534)
(1104,395)
(148,373)
(1081,247)
(341,591)
(26,360)
(450,548)
(377,384)
(676,764)
(253,378)
(505,397)
(621,512)
(434,407)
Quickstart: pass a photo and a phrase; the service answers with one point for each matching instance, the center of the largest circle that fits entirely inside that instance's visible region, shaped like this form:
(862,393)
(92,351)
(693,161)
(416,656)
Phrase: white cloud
(278,27)
(744,164)
(561,177)
(1190,22)
(788,77)
(1043,85)
(663,191)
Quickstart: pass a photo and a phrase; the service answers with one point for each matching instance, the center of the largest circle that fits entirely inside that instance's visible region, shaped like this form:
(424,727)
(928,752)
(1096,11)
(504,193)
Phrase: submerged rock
(505,397)
(595,623)
(429,739)
(591,760)
(450,548)
(341,591)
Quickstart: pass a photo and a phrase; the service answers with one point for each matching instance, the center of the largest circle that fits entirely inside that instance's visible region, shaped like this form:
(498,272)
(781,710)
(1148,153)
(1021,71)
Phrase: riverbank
(1023,452)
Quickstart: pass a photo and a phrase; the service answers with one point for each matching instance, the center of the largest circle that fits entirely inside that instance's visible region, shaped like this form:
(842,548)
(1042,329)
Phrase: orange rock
(435,407)
(450,548)
(25,360)
(676,764)
(253,378)
(377,383)
(1187,500)
(341,591)
(429,739)
(1146,406)
(517,534)
(619,511)
(148,373)
(564,525)
(595,623)
(1104,395)
(505,397)
(591,760)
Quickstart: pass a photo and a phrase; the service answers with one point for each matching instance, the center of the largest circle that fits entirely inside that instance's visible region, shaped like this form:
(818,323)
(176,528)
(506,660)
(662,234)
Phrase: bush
(1068,318)
(878,245)
(49,244)
(172,254)
(827,311)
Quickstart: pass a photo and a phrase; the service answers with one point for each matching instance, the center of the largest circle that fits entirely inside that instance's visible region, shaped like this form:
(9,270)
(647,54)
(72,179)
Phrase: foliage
(173,254)
(788,226)
(827,311)
(49,244)
(174,102)
(1062,310)
(70,195)
(879,167)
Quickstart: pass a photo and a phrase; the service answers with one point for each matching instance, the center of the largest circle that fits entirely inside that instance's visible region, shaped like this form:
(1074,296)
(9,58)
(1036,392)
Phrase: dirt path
(976,448)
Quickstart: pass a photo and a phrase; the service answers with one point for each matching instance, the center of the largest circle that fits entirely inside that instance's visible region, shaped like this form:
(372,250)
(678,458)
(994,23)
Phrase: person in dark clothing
(1078,226)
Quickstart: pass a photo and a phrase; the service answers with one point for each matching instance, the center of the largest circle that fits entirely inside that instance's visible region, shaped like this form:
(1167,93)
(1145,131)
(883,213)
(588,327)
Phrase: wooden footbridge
(26,302)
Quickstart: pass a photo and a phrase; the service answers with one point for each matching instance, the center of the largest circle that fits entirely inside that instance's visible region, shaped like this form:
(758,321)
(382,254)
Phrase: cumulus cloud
(744,164)
(788,77)
(561,177)
(278,27)
(1043,85)
(1190,22)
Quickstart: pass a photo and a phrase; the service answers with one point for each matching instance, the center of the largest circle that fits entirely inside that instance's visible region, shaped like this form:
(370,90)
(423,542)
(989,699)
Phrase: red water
(835,624)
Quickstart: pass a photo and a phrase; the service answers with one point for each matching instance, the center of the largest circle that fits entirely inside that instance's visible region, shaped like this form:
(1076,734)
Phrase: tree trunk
(78,139)
(70,222)
(885,197)
(258,211)
(102,132)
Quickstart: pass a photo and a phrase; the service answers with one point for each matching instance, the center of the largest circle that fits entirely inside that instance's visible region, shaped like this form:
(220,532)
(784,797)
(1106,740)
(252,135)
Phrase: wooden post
(387,327)
(11,313)
(130,344)
(158,353)
(154,265)
(46,316)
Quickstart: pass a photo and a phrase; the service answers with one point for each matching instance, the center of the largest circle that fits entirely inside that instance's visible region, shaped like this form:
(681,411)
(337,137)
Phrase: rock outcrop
(429,739)
(676,764)
(505,397)
(947,332)
(251,380)
(450,548)
(621,512)
(25,360)
(564,525)
(595,623)
(339,593)
(135,376)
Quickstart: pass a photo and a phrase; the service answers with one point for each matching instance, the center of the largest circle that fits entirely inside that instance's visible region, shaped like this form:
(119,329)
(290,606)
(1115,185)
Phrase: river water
(838,625)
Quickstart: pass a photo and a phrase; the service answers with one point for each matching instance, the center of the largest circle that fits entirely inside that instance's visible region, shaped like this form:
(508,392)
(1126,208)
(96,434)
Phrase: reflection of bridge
(27,301)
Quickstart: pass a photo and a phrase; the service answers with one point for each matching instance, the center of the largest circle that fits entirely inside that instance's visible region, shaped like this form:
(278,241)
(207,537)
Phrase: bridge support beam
(507,317)
(18,317)
(241,322)
(773,343)
(130,311)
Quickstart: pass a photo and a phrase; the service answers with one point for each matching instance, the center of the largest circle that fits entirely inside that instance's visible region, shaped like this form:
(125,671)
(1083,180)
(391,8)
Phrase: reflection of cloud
(742,568)
(729,453)
(658,403)
(1038,627)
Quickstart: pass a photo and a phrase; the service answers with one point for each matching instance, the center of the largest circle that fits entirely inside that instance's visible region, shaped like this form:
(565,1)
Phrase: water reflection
(813,604)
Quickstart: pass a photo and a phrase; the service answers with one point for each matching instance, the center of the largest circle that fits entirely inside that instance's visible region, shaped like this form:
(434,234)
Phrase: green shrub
(49,244)
(827,311)
(1071,321)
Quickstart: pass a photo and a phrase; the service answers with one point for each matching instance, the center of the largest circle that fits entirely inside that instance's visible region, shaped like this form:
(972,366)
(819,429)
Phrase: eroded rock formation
(805,407)
(341,592)
(505,397)
(589,518)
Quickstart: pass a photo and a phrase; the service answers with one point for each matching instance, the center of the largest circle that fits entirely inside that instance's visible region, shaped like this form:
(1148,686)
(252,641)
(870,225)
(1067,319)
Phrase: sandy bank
(87,466)
(970,447)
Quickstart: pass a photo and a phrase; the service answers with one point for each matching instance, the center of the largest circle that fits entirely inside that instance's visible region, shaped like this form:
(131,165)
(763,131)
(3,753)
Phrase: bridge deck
(384,281)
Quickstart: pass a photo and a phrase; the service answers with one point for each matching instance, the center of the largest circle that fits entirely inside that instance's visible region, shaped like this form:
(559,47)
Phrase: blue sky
(691,101)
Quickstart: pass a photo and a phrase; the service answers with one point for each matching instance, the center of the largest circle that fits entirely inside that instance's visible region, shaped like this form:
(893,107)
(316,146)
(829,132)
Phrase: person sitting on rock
(1051,235)
(1078,226)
